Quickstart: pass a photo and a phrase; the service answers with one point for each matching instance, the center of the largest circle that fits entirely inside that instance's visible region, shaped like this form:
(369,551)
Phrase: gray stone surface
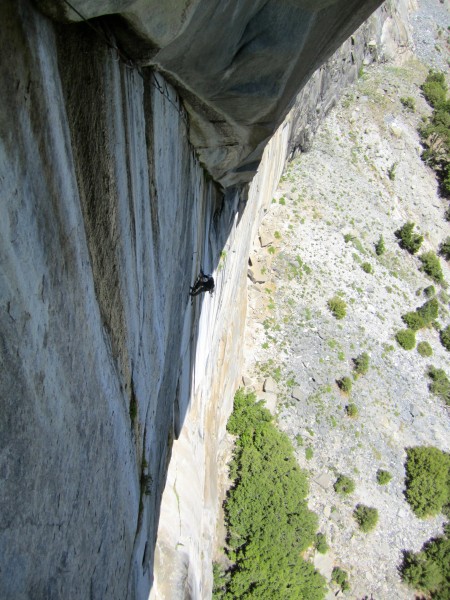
(265,238)
(324,480)
(238,66)
(247,381)
(257,274)
(106,218)
(270,385)
(298,393)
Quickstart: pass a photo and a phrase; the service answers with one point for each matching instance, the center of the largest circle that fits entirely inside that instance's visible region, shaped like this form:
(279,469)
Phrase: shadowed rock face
(238,65)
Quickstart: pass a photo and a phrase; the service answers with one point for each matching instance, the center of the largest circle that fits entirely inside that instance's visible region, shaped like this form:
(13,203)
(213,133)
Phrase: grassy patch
(424,349)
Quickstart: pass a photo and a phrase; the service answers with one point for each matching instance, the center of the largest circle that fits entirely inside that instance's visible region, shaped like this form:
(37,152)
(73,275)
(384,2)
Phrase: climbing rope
(129,62)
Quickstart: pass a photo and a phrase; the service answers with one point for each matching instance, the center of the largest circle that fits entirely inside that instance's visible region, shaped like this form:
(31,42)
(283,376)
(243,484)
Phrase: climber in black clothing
(203,283)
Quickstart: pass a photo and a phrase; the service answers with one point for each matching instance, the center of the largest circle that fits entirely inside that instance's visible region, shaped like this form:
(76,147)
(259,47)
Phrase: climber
(203,283)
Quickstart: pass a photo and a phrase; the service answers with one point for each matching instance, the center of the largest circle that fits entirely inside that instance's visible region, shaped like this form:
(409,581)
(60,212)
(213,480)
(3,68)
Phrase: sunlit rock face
(237,65)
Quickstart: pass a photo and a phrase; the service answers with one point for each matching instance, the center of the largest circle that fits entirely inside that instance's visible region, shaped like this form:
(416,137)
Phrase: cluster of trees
(427,314)
(268,521)
(428,570)
(428,492)
(427,480)
(435,133)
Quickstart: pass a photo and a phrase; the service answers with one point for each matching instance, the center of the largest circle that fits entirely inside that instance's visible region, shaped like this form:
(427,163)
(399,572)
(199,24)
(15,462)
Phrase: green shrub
(361,363)
(309,453)
(366,517)
(422,316)
(434,89)
(321,543)
(444,336)
(440,384)
(424,349)
(380,247)
(429,311)
(268,521)
(428,570)
(337,307)
(444,297)
(413,320)
(352,410)
(407,239)
(221,579)
(435,135)
(406,338)
(446,186)
(383,477)
(344,485)
(408,103)
(427,480)
(434,94)
(432,266)
(348,237)
(340,577)
(429,291)
(392,171)
(345,384)
(444,248)
(367,267)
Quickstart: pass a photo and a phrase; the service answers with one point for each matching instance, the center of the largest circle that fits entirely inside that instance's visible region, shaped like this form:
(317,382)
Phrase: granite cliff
(125,147)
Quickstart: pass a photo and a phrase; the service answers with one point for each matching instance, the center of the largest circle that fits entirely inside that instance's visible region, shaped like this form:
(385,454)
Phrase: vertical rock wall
(190,501)
(106,219)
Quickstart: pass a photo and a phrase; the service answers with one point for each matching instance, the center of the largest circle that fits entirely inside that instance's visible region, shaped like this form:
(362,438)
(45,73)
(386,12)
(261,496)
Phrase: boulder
(270,400)
(256,274)
(298,393)
(270,385)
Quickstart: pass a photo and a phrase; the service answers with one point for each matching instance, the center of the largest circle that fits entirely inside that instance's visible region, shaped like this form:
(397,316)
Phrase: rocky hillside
(362,179)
